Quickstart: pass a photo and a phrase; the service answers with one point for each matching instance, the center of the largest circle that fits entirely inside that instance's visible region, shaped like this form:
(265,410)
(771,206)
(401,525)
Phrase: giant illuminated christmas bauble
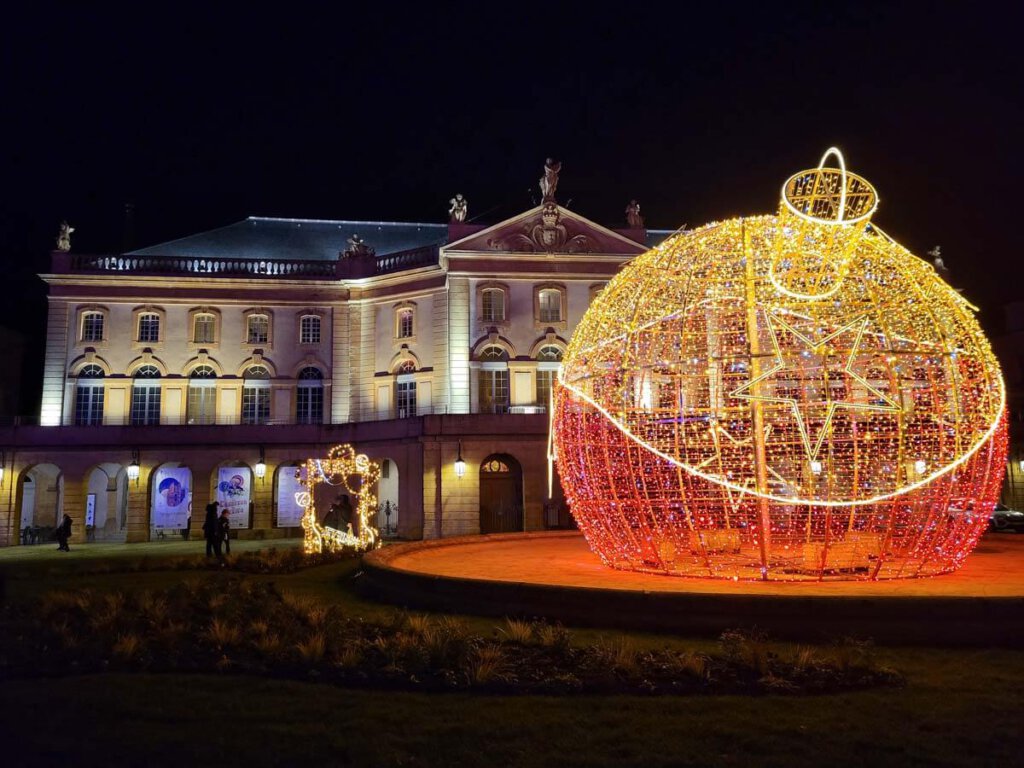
(782,397)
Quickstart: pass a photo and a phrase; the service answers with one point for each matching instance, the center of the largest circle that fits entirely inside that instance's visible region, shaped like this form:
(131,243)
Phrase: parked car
(1005,519)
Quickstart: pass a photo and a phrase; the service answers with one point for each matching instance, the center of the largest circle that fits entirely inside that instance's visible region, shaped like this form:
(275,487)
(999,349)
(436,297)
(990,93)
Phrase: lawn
(959,707)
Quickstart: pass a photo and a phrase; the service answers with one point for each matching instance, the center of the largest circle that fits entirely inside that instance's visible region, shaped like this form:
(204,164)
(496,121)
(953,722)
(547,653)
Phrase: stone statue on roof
(64,237)
(356,247)
(459,209)
(549,181)
(936,254)
(633,217)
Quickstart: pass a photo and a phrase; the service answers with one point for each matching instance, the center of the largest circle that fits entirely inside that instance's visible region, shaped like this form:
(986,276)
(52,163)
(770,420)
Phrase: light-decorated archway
(353,475)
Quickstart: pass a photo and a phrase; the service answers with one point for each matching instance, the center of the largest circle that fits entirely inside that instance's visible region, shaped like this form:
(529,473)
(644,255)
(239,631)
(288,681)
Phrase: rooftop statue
(459,209)
(633,217)
(356,247)
(64,237)
(936,254)
(549,181)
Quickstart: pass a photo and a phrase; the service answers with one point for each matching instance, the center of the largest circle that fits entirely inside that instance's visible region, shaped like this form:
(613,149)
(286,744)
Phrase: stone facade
(265,340)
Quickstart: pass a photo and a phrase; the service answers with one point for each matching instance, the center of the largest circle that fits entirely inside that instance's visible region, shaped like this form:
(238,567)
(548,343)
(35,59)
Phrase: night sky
(201,117)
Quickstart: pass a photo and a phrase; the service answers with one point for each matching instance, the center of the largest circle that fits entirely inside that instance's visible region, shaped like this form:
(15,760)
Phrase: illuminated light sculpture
(782,397)
(357,475)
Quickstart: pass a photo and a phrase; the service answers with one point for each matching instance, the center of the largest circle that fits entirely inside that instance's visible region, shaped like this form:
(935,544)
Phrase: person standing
(63,534)
(224,531)
(210,530)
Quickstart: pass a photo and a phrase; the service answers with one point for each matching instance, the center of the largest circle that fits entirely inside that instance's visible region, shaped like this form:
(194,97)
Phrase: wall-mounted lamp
(260,470)
(3,463)
(460,464)
(133,468)
(1021,465)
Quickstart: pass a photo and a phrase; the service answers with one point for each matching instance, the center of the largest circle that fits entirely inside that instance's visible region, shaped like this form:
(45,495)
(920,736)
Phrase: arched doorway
(387,499)
(106,503)
(41,493)
(501,494)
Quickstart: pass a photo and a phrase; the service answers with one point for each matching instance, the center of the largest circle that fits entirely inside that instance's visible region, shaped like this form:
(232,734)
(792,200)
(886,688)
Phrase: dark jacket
(65,528)
(223,526)
(210,523)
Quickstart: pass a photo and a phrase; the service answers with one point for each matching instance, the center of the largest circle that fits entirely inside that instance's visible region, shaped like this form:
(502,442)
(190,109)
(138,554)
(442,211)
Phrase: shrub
(487,665)
(128,646)
(313,648)
(223,634)
(516,631)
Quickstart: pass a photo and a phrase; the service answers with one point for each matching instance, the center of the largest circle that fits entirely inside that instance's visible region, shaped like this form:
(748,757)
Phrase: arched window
(149,327)
(309,396)
(549,359)
(309,329)
(92,326)
(257,329)
(493,380)
(202,395)
(256,394)
(204,328)
(89,396)
(145,408)
(493,305)
(405,390)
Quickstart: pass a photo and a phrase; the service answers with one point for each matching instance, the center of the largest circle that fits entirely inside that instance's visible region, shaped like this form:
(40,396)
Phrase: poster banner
(233,487)
(289,512)
(172,498)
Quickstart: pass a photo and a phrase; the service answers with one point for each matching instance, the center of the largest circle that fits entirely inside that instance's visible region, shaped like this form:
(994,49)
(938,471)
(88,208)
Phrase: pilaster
(458,343)
(54,364)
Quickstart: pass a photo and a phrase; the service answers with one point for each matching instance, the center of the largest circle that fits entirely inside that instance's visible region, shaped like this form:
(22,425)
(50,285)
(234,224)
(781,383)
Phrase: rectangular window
(544,381)
(259,329)
(89,405)
(149,328)
(309,405)
(202,404)
(309,331)
(405,399)
(494,305)
(204,328)
(405,324)
(145,404)
(255,405)
(494,391)
(92,326)
(550,306)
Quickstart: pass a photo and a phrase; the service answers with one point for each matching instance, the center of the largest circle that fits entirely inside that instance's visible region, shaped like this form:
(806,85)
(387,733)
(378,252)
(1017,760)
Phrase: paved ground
(995,569)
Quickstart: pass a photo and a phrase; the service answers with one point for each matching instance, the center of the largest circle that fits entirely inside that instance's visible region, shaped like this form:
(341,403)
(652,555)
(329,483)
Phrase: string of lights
(788,397)
(356,474)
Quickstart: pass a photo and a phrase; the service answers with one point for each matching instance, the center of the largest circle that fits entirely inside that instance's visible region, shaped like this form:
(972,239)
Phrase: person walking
(63,534)
(210,531)
(224,531)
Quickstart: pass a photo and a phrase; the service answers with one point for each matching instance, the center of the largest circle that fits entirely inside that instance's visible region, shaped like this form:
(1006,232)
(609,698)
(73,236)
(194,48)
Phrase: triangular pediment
(548,228)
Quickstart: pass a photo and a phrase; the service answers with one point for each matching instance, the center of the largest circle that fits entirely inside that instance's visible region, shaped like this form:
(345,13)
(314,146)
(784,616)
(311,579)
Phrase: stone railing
(177,265)
(411,259)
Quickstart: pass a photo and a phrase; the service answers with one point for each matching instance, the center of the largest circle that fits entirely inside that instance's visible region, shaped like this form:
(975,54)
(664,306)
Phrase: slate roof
(264,238)
(261,238)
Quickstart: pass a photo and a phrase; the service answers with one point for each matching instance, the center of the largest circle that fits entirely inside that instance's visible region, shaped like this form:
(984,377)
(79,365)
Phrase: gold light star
(821,348)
